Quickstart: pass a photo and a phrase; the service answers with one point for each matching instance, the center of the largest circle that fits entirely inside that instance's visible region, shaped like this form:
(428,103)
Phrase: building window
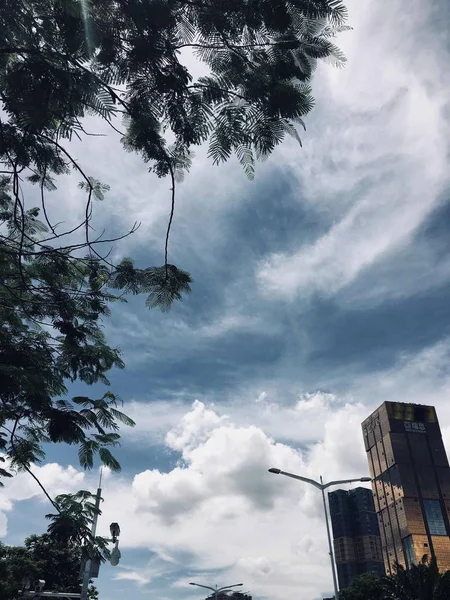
(408,551)
(434,517)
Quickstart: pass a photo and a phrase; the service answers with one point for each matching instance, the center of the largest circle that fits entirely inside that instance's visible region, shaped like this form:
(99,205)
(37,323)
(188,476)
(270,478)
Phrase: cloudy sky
(321,289)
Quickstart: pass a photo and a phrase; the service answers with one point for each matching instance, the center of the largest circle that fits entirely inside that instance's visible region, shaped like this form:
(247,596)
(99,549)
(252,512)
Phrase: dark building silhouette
(357,542)
(411,483)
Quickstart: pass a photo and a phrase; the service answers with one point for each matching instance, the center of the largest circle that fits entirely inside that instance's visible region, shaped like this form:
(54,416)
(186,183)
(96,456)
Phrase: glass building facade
(410,482)
(357,542)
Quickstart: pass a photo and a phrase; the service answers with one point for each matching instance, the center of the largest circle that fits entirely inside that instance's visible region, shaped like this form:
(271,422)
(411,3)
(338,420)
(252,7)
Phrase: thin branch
(172,209)
(43,202)
(229,92)
(236,46)
(128,109)
(115,128)
(22,227)
(25,466)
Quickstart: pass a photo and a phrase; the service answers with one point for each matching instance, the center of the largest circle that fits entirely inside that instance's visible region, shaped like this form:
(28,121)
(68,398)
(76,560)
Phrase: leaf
(4,473)
(166,283)
(86,453)
(120,416)
(66,426)
(290,129)
(95,187)
(109,460)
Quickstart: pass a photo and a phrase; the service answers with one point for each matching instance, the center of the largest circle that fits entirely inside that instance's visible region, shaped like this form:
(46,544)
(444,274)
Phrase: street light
(322,487)
(90,566)
(216,590)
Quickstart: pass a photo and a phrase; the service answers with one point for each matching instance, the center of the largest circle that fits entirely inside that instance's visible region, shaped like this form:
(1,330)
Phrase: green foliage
(67,59)
(63,60)
(422,581)
(51,306)
(71,525)
(41,558)
(368,586)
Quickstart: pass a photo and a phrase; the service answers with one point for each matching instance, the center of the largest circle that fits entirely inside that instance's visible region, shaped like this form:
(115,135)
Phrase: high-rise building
(357,542)
(410,482)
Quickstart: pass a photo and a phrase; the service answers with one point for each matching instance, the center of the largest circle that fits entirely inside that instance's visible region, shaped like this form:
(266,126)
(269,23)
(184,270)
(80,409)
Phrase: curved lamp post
(322,487)
(217,590)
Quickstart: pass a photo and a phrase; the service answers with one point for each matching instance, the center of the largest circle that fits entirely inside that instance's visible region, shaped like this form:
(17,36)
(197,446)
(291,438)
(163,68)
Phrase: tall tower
(357,543)
(410,482)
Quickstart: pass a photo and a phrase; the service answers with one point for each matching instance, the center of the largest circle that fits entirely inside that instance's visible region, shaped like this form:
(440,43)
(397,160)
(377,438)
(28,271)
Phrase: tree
(422,581)
(120,61)
(41,558)
(368,586)
(64,59)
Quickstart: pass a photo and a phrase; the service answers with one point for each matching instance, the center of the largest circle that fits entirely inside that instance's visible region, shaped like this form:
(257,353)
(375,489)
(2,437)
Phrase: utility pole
(87,569)
(322,487)
(88,563)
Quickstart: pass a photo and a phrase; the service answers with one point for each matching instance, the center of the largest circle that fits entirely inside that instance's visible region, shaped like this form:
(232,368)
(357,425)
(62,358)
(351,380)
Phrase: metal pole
(215,590)
(64,595)
(330,545)
(87,566)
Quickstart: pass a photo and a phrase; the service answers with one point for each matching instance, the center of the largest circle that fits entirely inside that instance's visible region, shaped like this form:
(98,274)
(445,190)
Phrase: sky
(321,289)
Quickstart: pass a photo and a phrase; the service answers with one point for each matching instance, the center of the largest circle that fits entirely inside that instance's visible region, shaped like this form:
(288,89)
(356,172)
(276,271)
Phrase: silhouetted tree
(121,61)
(41,557)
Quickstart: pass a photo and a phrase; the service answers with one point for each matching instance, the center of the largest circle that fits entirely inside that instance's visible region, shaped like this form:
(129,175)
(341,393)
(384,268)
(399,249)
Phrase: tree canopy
(368,586)
(123,62)
(65,59)
(41,557)
(422,581)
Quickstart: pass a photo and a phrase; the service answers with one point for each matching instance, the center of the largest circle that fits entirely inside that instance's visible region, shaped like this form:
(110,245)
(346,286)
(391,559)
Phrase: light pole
(89,568)
(322,487)
(115,554)
(216,590)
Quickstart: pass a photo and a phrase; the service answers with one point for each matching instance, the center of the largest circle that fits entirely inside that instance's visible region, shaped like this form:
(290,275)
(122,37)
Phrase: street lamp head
(277,472)
(366,479)
(115,555)
(115,531)
(192,583)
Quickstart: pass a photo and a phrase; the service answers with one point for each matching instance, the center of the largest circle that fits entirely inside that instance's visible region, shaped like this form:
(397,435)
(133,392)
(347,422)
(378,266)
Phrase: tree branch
(25,466)
(172,209)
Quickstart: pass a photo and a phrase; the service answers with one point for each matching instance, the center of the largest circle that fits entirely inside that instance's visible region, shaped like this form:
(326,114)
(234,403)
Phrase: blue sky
(321,289)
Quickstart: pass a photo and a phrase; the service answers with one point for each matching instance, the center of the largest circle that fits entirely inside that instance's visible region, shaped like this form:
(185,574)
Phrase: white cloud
(300,421)
(224,512)
(55,479)
(373,162)
(132,576)
(377,158)
(176,338)
(222,507)
(220,512)
(195,427)
(422,378)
